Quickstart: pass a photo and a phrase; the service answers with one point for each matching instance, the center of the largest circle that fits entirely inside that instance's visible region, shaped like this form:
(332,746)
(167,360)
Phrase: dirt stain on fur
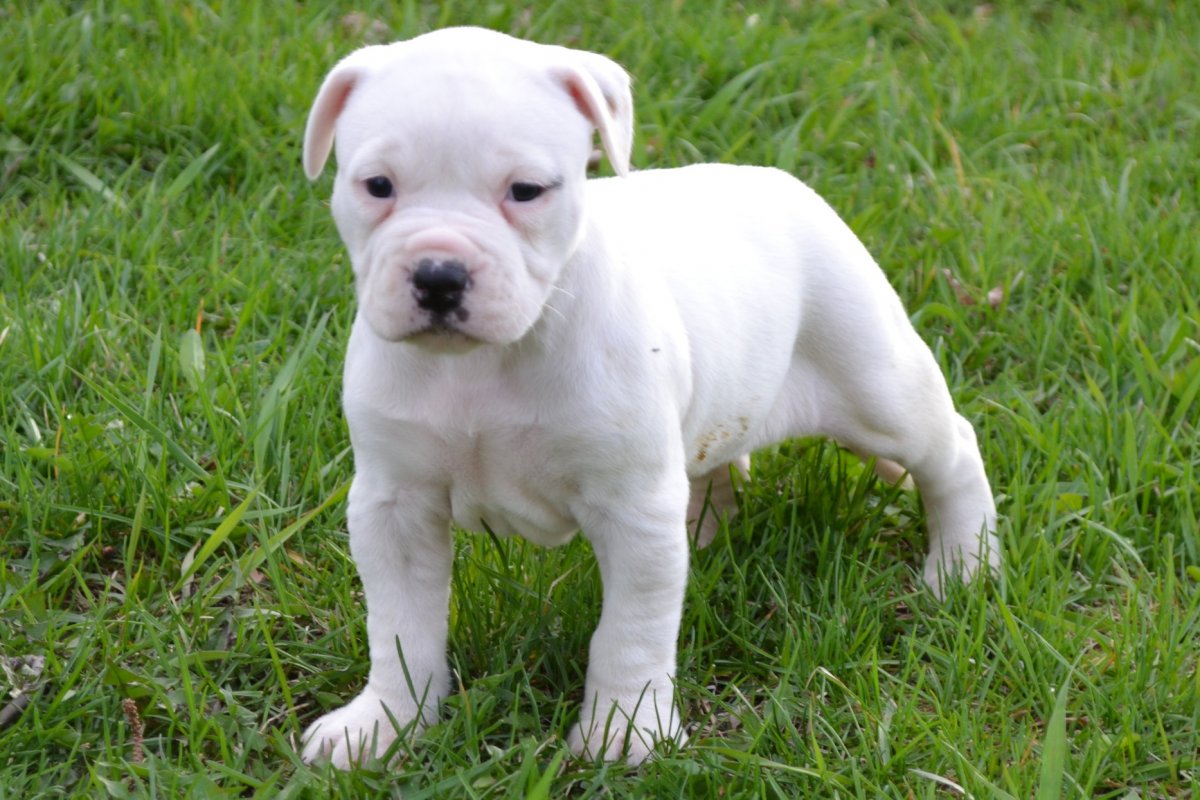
(720,434)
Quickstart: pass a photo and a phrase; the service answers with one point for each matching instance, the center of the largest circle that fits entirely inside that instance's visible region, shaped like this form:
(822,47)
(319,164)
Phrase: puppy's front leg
(402,549)
(629,700)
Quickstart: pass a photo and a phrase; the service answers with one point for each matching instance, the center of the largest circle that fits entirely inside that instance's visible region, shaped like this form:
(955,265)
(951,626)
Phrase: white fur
(625,342)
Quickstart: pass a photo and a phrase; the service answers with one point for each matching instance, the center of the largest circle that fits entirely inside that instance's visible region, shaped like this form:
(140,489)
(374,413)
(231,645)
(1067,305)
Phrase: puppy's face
(459,198)
(461,165)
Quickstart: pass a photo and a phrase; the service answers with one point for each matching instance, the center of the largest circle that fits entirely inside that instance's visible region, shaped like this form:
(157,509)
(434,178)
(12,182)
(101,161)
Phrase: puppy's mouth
(442,334)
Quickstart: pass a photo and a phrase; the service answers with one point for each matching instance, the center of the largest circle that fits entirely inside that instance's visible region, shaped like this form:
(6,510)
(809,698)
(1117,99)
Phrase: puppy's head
(461,162)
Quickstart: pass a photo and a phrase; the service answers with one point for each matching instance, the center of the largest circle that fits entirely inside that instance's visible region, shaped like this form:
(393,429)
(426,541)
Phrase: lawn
(176,596)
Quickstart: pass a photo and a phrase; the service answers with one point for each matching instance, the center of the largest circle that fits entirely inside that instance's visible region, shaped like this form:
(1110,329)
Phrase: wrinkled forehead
(480,106)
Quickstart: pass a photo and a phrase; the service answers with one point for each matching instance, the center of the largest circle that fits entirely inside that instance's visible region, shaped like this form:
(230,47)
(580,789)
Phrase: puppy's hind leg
(713,496)
(897,406)
(959,507)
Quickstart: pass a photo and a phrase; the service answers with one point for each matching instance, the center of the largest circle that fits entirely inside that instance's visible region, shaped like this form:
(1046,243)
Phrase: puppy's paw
(630,728)
(961,562)
(356,733)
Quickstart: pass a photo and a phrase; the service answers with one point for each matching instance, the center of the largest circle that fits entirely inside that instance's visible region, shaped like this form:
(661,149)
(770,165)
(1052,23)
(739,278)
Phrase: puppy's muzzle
(439,286)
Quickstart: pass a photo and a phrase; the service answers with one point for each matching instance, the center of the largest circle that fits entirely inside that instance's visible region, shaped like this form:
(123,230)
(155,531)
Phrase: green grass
(173,461)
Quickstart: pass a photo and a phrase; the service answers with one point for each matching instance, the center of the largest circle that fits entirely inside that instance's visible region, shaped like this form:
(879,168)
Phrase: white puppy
(537,353)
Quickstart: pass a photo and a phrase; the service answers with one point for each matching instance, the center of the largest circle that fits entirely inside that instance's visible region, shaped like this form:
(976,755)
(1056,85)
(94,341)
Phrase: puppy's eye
(524,192)
(378,186)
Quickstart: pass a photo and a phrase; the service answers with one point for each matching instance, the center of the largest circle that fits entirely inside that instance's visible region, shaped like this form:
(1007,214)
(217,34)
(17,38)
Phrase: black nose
(439,285)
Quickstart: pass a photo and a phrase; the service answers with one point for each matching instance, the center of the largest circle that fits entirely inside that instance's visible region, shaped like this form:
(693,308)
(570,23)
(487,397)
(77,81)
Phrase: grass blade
(189,174)
(144,423)
(216,539)
(255,557)
(1054,750)
(191,358)
(541,789)
(89,179)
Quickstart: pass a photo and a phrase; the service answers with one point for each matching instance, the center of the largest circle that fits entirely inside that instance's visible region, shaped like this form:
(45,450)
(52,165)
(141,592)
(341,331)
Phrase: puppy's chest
(506,476)
(505,481)
(494,446)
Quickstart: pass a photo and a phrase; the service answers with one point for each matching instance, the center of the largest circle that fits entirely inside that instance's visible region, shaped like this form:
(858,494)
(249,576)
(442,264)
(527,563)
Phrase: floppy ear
(600,88)
(331,99)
